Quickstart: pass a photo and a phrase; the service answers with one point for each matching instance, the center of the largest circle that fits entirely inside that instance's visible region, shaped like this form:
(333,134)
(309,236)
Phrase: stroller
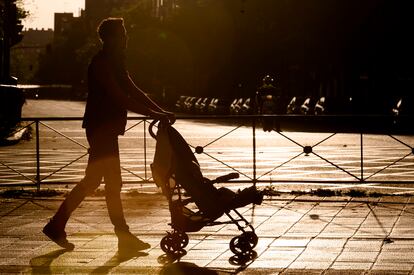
(176,171)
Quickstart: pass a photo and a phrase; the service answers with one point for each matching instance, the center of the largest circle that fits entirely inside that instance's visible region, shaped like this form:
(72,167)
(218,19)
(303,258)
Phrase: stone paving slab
(297,235)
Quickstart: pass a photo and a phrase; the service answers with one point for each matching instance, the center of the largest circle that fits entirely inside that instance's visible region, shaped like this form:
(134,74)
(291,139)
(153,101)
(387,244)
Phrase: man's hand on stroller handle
(166,117)
(171,117)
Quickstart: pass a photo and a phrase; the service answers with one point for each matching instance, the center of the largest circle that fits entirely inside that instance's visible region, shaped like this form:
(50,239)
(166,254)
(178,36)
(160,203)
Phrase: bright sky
(42,11)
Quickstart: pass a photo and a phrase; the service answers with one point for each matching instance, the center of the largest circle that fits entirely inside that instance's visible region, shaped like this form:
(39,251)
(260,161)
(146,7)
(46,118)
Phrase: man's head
(112,33)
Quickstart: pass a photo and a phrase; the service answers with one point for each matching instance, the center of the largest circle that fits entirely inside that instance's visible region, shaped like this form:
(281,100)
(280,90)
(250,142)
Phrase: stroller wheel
(251,237)
(180,238)
(243,244)
(174,242)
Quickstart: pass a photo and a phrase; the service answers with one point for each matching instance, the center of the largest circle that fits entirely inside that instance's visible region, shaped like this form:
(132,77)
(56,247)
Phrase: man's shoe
(57,235)
(129,243)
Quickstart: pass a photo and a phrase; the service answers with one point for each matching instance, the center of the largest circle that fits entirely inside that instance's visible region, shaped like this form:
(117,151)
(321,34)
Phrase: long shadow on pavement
(116,260)
(41,264)
(171,267)
(184,268)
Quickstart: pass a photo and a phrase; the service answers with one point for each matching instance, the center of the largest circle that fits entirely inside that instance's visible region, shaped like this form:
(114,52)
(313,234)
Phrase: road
(335,160)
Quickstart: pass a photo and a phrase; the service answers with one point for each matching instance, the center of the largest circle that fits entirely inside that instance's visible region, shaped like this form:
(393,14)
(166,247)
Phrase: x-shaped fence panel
(58,153)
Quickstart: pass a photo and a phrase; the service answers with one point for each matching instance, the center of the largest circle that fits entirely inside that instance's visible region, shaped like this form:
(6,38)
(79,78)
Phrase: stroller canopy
(174,162)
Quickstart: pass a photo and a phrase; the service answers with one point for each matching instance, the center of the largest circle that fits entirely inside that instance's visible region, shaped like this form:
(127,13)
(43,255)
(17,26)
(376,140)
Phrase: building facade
(25,55)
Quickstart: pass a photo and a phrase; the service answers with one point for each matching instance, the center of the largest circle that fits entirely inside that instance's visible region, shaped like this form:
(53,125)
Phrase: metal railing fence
(255,172)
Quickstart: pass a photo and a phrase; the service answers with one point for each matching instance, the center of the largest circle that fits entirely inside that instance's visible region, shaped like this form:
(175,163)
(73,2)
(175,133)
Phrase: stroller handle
(226,177)
(150,128)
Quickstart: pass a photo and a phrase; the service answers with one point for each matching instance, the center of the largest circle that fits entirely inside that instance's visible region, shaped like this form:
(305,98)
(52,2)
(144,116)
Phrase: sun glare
(42,11)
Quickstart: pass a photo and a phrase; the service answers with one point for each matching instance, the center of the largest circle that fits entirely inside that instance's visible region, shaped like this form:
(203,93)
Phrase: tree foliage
(312,47)
(216,47)
(21,12)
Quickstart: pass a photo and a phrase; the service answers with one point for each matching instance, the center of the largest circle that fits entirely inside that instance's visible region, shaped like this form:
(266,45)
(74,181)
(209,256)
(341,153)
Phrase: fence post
(145,149)
(254,150)
(37,155)
(362,158)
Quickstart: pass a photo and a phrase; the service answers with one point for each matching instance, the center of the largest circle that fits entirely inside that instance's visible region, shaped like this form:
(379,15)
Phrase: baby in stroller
(176,171)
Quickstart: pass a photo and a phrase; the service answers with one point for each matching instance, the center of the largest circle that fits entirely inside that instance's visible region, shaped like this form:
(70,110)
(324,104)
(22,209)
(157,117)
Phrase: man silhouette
(111,94)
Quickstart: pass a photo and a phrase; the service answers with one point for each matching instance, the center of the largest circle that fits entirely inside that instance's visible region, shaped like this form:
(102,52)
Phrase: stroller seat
(185,219)
(212,206)
(176,171)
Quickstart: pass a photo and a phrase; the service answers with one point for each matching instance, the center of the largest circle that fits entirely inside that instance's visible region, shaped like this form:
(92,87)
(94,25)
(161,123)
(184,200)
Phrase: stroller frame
(176,240)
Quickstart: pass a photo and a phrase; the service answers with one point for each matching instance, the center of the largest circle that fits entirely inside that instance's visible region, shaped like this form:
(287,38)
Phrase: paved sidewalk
(297,234)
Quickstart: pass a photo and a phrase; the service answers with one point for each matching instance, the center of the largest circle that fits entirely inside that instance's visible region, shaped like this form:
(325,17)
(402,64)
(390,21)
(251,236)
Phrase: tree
(11,27)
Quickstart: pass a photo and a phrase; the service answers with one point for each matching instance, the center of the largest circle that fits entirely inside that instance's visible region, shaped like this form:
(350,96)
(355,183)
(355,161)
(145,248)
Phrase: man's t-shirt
(103,113)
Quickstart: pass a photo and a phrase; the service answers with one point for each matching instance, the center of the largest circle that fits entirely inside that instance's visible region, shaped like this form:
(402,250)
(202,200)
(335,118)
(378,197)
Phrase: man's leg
(113,185)
(127,242)
(55,229)
(88,184)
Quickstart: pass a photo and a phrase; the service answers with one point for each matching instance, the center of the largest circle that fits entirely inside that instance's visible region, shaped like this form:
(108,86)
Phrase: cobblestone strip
(347,240)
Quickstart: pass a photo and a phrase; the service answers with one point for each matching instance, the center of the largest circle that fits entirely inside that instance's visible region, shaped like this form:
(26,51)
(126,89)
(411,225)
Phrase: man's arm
(135,92)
